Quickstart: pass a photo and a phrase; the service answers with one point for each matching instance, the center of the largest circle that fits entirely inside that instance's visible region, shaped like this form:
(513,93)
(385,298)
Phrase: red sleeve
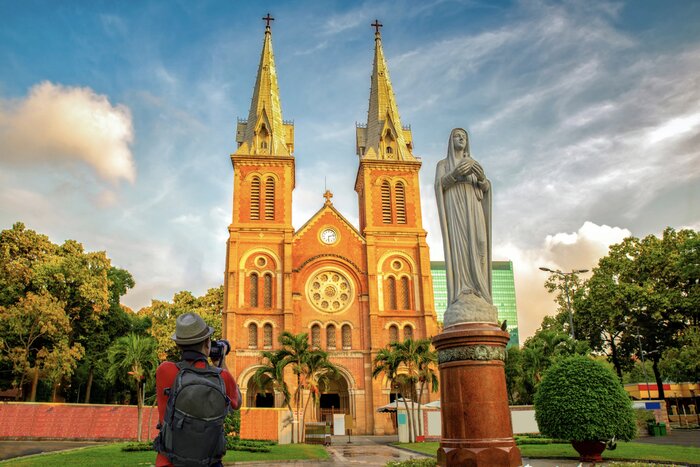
(231,389)
(165,377)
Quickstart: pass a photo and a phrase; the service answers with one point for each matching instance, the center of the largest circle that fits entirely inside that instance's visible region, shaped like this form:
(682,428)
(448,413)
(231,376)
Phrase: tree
(319,372)
(426,361)
(114,324)
(646,291)
(580,399)
(406,365)
(133,358)
(271,371)
(549,344)
(683,363)
(163,316)
(36,332)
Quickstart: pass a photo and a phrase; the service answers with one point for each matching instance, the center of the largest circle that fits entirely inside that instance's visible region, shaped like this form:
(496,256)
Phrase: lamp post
(566,276)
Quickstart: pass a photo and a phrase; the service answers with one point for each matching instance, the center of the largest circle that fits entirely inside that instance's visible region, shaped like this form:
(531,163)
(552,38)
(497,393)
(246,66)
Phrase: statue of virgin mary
(463,195)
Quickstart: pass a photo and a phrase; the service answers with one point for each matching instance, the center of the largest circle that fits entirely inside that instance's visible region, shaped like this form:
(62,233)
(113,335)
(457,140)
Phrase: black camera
(219,349)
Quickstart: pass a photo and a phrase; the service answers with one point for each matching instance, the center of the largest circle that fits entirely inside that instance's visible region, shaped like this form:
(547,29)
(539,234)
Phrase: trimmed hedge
(580,399)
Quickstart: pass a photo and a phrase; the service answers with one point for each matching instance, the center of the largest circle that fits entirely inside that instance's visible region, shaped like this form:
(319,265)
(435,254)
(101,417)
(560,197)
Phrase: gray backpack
(192,432)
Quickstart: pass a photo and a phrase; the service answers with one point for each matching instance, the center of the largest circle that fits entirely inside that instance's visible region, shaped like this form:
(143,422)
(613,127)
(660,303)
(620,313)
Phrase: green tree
(163,316)
(114,324)
(319,372)
(514,375)
(644,292)
(549,344)
(271,372)
(682,363)
(407,365)
(36,332)
(133,358)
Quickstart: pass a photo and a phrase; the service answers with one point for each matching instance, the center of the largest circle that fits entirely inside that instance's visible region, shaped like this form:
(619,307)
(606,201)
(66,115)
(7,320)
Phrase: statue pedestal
(476,424)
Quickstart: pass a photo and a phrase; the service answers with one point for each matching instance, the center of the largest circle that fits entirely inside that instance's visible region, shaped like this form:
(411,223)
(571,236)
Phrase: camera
(219,349)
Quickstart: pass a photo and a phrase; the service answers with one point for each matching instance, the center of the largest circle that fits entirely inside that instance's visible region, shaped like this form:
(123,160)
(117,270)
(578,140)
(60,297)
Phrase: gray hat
(190,328)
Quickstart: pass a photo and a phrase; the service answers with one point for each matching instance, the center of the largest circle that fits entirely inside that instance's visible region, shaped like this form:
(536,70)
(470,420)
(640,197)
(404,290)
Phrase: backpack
(192,432)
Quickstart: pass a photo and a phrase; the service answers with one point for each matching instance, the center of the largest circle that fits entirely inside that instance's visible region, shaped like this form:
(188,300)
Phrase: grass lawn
(112,455)
(641,451)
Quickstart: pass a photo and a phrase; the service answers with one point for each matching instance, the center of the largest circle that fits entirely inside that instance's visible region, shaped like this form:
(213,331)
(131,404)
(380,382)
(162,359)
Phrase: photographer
(194,397)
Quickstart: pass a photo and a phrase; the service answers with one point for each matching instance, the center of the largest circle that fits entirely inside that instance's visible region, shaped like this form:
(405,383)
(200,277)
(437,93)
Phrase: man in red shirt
(193,337)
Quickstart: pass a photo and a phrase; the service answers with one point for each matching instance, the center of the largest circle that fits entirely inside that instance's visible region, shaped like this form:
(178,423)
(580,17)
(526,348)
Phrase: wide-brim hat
(190,328)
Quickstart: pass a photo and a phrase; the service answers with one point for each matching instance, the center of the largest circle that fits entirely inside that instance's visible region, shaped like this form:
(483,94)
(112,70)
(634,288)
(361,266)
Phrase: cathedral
(352,289)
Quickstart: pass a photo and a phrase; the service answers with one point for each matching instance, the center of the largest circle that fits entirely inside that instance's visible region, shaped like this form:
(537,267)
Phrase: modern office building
(503,289)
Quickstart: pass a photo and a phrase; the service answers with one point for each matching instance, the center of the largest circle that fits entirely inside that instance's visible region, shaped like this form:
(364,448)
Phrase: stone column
(476,423)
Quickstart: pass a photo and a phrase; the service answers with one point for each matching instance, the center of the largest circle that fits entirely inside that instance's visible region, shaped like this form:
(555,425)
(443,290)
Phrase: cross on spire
(376,26)
(328,195)
(267,20)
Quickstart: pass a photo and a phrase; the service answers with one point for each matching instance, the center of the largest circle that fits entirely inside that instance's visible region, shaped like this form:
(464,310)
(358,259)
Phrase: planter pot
(589,451)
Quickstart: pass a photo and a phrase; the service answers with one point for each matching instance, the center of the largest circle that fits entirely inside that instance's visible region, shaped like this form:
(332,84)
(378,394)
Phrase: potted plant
(582,401)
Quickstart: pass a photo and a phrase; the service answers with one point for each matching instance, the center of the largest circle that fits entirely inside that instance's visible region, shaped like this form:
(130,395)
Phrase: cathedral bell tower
(388,189)
(258,267)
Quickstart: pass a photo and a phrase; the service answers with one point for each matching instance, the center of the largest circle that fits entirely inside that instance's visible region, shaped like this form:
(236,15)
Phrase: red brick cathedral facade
(353,290)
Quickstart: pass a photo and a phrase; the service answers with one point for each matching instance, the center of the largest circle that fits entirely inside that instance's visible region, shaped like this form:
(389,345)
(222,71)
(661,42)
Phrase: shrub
(580,399)
(248,445)
(135,447)
(232,424)
(419,462)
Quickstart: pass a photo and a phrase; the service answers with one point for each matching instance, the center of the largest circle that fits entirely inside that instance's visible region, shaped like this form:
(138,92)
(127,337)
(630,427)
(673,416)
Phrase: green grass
(631,451)
(112,455)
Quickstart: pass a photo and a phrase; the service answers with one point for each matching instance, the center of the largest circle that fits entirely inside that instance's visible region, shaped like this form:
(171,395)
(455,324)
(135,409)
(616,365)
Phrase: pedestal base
(476,424)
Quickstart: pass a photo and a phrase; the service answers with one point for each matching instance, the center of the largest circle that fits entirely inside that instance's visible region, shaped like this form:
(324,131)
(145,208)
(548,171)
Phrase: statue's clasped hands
(467,166)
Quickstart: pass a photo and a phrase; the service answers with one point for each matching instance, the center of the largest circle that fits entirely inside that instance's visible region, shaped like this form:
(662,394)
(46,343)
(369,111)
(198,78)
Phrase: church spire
(265,132)
(383,137)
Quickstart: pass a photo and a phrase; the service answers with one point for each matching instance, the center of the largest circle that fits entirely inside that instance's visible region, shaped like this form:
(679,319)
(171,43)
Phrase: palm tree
(271,370)
(389,361)
(319,372)
(133,357)
(295,352)
(427,377)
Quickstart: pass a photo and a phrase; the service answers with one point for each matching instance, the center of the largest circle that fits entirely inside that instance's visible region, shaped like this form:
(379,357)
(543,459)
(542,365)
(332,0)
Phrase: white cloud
(564,251)
(58,124)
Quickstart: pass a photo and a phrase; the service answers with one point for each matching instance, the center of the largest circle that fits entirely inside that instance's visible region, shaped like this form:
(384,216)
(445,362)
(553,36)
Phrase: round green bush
(580,399)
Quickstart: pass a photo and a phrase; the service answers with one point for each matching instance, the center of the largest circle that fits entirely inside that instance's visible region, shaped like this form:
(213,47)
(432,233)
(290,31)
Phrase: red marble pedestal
(476,424)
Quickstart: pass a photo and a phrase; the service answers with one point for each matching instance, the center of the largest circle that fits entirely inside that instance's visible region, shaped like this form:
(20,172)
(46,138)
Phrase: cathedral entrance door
(335,399)
(260,397)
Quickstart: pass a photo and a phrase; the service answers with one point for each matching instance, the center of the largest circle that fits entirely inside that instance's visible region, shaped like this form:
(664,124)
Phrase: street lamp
(566,276)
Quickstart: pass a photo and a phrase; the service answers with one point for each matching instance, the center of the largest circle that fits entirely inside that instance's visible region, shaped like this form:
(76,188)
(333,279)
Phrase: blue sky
(117,120)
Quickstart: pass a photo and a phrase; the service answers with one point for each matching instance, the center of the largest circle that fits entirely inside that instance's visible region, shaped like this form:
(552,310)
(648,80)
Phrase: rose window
(329,291)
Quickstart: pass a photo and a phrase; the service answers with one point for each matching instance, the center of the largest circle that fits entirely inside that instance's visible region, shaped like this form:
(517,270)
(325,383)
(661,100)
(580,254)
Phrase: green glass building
(503,290)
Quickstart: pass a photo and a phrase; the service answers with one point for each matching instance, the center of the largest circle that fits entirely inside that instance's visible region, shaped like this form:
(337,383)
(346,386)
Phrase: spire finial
(267,20)
(376,25)
(328,195)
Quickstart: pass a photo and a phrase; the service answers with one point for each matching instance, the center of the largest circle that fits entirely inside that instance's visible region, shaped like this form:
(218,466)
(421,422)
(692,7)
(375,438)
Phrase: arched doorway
(334,399)
(260,396)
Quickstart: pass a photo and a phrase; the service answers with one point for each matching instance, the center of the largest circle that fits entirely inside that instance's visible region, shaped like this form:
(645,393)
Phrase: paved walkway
(10,449)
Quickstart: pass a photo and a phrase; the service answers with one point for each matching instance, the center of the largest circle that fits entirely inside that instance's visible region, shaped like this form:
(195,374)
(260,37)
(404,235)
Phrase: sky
(117,120)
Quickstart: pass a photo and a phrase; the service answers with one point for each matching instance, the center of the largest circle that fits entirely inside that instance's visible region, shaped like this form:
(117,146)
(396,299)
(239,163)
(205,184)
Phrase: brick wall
(109,422)
(260,423)
(74,421)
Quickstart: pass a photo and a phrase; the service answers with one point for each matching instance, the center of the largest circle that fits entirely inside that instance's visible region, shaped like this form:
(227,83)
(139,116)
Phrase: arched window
(400,191)
(263,137)
(389,150)
(267,336)
(391,293)
(386,202)
(255,198)
(316,336)
(407,332)
(267,290)
(347,336)
(252,336)
(270,199)
(393,333)
(254,290)
(405,293)
(330,337)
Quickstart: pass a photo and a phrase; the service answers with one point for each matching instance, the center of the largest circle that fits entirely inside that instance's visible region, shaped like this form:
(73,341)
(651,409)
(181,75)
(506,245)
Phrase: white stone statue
(463,195)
